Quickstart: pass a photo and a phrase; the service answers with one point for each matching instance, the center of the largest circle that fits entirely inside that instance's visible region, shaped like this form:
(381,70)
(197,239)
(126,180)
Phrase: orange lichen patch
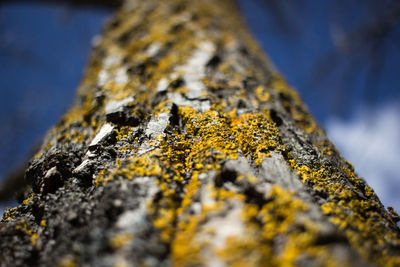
(256,135)
(214,85)
(158,31)
(43,223)
(133,53)
(261,94)
(185,251)
(124,132)
(207,139)
(164,220)
(162,107)
(38,155)
(121,54)
(148,45)
(192,236)
(247,177)
(72,136)
(142,166)
(9,214)
(236,80)
(326,148)
(22,225)
(75,114)
(165,211)
(26,201)
(121,240)
(207,136)
(192,190)
(101,176)
(118,91)
(214,135)
(274,235)
(292,103)
(68,261)
(145,165)
(354,208)
(278,84)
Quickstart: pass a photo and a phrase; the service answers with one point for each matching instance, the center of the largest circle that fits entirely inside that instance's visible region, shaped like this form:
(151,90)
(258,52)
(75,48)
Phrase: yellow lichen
(68,261)
(26,201)
(141,166)
(362,219)
(120,240)
(207,139)
(9,214)
(100,177)
(261,94)
(291,102)
(22,225)
(265,224)
(247,177)
(43,223)
(190,236)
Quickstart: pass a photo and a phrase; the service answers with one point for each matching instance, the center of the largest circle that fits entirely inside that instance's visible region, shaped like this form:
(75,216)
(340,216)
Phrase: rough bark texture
(185,147)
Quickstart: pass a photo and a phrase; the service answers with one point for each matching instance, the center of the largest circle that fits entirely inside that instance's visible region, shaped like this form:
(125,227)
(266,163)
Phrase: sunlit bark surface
(185,147)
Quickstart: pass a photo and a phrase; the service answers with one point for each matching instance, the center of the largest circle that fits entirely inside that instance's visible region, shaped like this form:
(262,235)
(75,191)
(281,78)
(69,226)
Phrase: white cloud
(371,141)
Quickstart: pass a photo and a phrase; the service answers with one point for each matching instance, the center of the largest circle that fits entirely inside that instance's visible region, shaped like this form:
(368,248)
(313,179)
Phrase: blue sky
(43,51)
(361,118)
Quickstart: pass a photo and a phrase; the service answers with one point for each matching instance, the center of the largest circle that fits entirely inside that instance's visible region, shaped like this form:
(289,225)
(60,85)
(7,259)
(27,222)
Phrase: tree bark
(185,147)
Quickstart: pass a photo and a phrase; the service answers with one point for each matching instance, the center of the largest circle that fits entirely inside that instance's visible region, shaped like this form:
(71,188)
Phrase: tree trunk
(185,147)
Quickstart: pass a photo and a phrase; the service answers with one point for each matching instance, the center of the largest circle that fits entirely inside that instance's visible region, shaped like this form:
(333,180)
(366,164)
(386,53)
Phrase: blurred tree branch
(99,3)
(361,33)
(284,14)
(360,49)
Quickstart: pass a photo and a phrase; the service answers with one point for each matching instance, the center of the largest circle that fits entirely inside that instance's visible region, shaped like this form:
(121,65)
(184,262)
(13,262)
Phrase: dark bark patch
(127,36)
(319,193)
(244,50)
(49,173)
(255,197)
(329,238)
(158,98)
(226,175)
(174,119)
(214,62)
(177,83)
(241,104)
(285,97)
(138,69)
(250,83)
(51,181)
(275,117)
(114,23)
(176,28)
(124,118)
(110,139)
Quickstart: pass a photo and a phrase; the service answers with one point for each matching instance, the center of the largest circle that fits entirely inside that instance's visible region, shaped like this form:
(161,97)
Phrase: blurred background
(341,55)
